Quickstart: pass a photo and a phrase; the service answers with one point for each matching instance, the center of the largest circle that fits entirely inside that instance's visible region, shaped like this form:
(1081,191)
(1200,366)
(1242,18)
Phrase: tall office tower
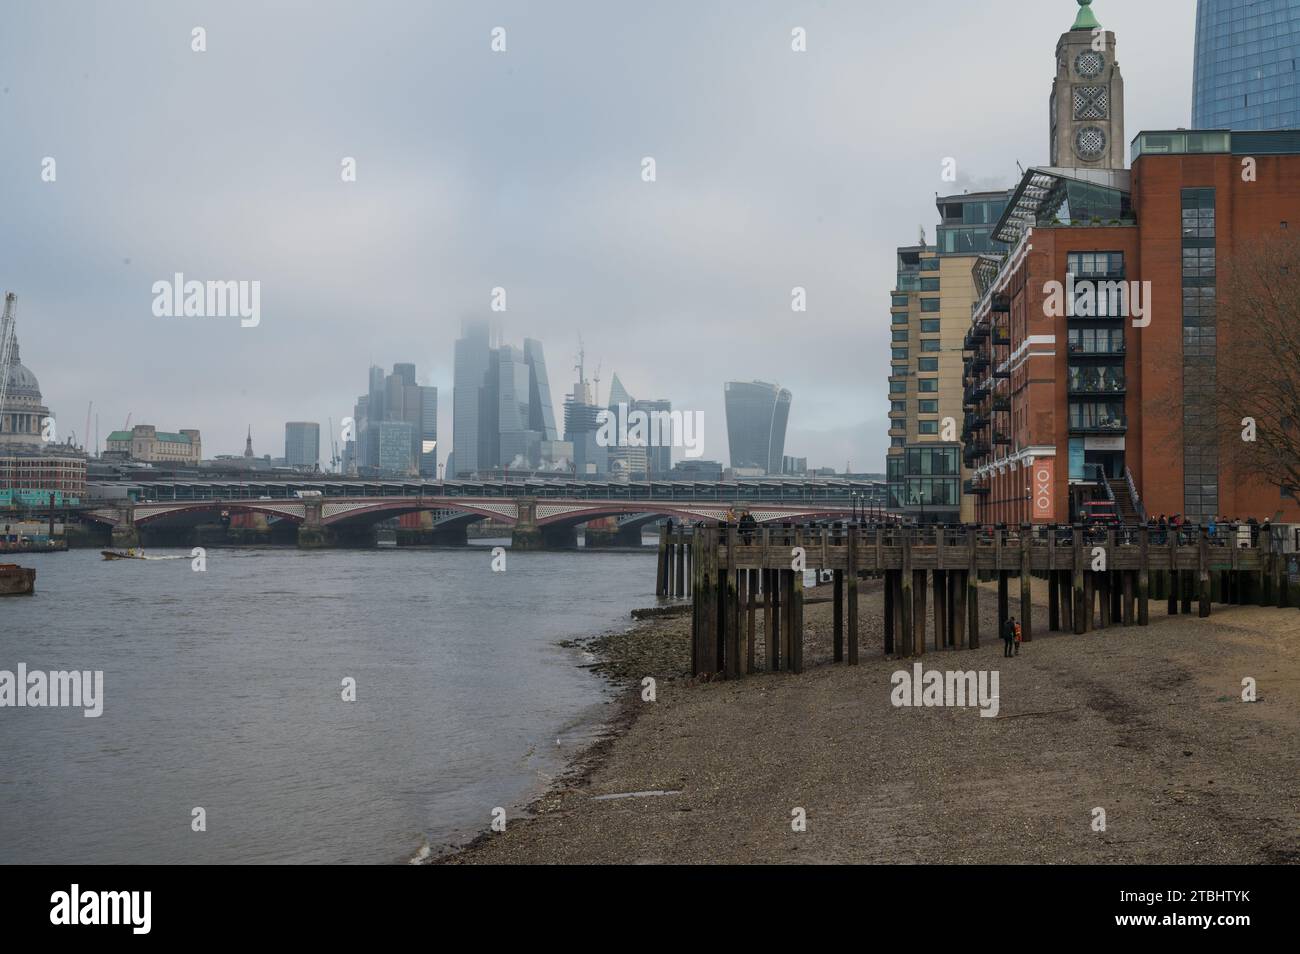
(541,410)
(302,444)
(1087,105)
(1247,69)
(472,357)
(428,433)
(757,414)
(581,422)
(618,394)
(503,415)
(395,399)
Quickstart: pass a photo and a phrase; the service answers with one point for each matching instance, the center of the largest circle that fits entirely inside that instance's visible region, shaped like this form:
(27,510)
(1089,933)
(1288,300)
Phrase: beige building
(145,443)
(930,311)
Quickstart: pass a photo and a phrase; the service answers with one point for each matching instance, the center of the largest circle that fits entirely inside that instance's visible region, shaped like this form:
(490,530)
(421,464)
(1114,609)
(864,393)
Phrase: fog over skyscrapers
(503,415)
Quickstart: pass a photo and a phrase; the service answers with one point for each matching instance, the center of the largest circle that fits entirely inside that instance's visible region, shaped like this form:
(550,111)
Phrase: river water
(223,691)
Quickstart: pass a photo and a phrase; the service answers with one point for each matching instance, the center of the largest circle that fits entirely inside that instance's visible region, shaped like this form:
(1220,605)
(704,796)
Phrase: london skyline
(536,188)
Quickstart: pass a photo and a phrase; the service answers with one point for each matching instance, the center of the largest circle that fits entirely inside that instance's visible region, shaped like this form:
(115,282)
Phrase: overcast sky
(519,169)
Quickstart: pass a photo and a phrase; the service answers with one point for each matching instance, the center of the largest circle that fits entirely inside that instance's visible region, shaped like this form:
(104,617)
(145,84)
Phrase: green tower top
(1086,20)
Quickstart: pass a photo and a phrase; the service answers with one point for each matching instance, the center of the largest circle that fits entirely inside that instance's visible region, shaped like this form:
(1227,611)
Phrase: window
(929,264)
(897,407)
(927,364)
(929,284)
(929,304)
(897,387)
(900,354)
(897,441)
(929,325)
(1096,341)
(930,345)
(927,407)
(900,334)
(928,427)
(898,301)
(899,319)
(1096,264)
(927,385)
(1097,416)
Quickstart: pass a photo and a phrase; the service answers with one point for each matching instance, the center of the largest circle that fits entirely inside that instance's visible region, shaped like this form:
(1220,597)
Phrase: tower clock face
(1089,63)
(1090,143)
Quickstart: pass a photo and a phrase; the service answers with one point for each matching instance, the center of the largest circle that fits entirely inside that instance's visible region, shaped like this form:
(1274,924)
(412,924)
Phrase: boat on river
(17,580)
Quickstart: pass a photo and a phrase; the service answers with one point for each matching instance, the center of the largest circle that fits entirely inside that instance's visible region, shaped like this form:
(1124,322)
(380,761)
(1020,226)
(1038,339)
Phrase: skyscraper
(395,399)
(757,414)
(503,415)
(302,444)
(1247,69)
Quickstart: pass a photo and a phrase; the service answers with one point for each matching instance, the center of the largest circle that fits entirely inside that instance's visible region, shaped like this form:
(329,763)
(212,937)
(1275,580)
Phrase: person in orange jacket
(1017,638)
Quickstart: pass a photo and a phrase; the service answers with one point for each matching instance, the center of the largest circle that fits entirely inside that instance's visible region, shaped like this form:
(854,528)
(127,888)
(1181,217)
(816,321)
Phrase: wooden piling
(940,610)
(972,590)
(796,622)
(1026,579)
(1144,577)
(661,569)
(1203,556)
(837,614)
(906,601)
(1053,601)
(851,594)
(919,591)
(751,614)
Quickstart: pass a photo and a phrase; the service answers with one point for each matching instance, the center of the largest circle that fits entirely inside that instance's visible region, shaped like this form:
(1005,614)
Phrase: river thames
(223,690)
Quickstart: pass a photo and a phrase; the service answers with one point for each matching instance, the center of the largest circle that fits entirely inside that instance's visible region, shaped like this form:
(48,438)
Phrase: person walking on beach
(1017,639)
(1008,636)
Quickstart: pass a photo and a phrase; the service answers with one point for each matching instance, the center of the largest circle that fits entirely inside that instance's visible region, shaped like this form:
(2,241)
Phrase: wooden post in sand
(1026,579)
(751,613)
(1080,584)
(940,608)
(837,616)
(906,600)
(1203,559)
(973,589)
(851,595)
(681,564)
(890,581)
(1144,576)
(661,570)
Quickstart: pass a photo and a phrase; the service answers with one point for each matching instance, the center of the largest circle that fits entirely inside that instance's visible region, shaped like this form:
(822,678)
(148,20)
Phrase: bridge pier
(544,538)
(596,535)
(126,535)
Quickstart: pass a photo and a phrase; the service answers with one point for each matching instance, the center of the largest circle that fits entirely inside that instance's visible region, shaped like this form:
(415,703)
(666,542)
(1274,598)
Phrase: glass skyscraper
(757,414)
(1247,61)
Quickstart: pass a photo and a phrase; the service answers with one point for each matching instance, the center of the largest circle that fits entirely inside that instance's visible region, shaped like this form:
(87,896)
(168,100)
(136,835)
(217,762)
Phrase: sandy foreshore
(1145,723)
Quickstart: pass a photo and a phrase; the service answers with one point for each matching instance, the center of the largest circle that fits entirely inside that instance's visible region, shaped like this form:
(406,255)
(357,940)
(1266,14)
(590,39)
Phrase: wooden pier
(1096,578)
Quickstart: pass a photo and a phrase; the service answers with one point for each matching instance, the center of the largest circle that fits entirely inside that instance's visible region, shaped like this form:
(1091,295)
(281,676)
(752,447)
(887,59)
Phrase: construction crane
(7,342)
(335,460)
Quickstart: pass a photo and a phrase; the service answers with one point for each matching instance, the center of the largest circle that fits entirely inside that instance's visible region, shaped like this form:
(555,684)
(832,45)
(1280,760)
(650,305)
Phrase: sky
(520,169)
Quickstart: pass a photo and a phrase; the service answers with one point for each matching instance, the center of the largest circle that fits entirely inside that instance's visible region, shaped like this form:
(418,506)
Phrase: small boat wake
(131,555)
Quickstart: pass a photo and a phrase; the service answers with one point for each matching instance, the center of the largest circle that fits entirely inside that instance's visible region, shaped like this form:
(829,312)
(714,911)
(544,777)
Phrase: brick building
(1090,368)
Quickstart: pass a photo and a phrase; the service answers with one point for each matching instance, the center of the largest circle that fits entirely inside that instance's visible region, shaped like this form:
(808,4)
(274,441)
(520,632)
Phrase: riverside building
(1090,373)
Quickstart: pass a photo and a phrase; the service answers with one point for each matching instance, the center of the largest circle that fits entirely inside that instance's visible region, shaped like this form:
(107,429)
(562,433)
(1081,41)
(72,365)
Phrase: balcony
(1001,439)
(1001,374)
(1002,337)
(971,488)
(1002,404)
(1000,304)
(1111,425)
(1079,351)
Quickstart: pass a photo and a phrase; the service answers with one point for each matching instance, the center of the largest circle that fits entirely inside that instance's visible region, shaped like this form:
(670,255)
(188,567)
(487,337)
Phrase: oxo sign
(1044,478)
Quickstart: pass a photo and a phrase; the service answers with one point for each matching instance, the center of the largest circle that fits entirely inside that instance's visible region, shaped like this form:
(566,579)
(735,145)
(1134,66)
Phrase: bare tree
(1257,398)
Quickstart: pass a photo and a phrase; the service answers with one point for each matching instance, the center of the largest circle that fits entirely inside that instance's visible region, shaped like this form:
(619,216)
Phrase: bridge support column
(126,535)
(528,535)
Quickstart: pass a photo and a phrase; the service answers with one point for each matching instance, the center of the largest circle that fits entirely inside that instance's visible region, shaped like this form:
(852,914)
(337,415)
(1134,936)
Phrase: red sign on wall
(1043,475)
